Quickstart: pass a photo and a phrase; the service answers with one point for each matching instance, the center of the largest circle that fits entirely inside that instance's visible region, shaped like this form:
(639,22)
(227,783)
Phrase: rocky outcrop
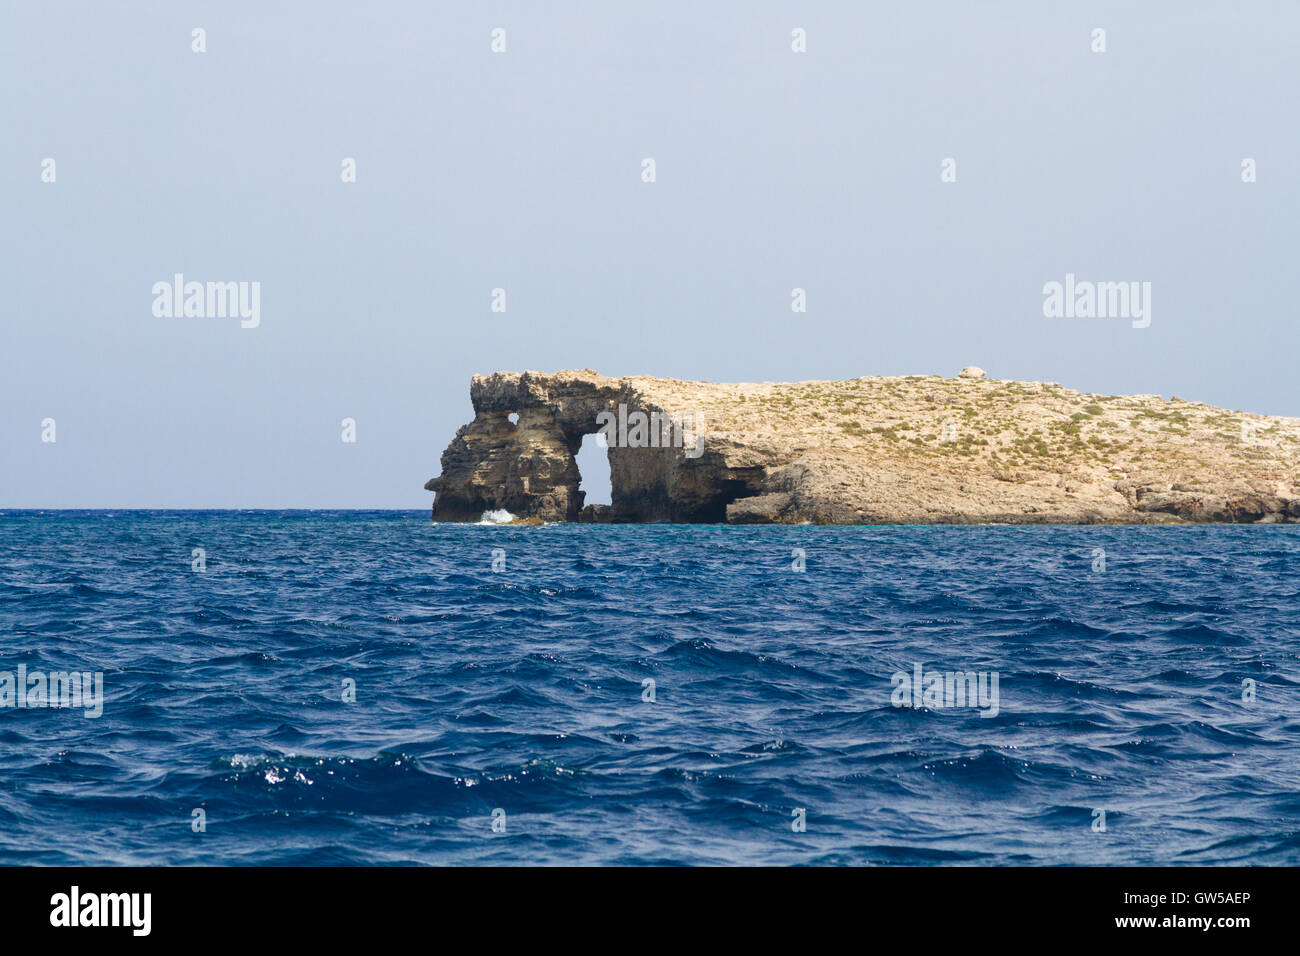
(911,450)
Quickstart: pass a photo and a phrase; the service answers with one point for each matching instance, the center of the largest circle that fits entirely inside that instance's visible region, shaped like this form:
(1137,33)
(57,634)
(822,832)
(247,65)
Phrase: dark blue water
(522,691)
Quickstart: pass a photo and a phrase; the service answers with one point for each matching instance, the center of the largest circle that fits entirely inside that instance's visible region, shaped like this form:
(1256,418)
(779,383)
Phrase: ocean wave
(364,688)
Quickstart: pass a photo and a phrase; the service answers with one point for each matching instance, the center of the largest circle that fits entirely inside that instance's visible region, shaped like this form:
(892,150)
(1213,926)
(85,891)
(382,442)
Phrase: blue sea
(365,688)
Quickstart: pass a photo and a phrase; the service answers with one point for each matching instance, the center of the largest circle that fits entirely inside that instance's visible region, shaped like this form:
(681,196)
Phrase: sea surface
(1126,660)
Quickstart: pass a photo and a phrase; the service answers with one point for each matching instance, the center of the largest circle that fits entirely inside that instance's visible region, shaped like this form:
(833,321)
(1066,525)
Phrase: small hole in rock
(514,418)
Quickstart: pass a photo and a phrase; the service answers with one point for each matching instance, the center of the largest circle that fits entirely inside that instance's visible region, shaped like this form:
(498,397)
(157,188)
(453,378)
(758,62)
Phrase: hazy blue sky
(522,170)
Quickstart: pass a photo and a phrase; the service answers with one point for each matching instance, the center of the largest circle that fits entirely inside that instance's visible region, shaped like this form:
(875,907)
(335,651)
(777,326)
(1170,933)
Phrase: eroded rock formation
(913,450)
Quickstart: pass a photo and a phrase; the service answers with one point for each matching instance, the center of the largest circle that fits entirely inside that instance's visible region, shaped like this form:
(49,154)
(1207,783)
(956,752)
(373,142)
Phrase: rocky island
(889,450)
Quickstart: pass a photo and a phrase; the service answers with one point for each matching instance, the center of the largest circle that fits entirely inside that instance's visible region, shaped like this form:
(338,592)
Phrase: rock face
(914,450)
(971,371)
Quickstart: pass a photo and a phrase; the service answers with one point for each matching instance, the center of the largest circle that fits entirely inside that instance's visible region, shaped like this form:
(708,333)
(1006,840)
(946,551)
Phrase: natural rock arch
(529,468)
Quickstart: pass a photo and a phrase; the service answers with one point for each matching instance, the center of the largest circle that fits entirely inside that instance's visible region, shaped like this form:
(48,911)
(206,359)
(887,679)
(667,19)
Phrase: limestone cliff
(910,450)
